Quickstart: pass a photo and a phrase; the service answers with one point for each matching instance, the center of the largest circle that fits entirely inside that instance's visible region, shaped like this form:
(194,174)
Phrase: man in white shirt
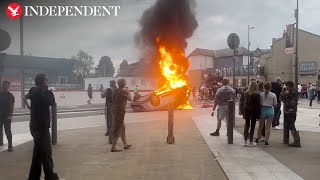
(299,91)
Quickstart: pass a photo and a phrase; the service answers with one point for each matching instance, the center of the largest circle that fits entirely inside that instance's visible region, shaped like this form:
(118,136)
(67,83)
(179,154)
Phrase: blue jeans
(277,113)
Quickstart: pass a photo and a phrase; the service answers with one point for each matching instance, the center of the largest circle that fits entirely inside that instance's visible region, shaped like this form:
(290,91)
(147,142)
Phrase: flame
(173,65)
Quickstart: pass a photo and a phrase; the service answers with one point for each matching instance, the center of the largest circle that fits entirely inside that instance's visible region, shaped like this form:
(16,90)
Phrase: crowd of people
(205,92)
(261,102)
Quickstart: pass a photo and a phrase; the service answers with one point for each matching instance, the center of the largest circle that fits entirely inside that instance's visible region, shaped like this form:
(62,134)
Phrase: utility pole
(22,70)
(249,58)
(248,55)
(296,81)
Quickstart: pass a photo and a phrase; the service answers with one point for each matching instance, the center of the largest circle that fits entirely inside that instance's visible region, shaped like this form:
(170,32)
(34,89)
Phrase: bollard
(1,136)
(230,121)
(234,111)
(54,124)
(110,122)
(285,130)
(170,138)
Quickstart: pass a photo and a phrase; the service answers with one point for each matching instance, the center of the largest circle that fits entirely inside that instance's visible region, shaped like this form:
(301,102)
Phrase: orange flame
(173,66)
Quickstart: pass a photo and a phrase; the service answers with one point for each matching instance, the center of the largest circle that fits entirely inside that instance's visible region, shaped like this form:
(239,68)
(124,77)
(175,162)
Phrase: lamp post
(297,58)
(249,27)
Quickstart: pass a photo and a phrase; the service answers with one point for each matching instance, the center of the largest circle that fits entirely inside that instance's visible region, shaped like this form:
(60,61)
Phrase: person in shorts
(223,95)
(268,101)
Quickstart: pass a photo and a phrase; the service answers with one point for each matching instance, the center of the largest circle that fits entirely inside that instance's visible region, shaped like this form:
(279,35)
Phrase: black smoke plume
(173,21)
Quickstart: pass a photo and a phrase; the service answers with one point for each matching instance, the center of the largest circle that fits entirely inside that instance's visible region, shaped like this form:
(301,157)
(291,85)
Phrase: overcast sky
(114,36)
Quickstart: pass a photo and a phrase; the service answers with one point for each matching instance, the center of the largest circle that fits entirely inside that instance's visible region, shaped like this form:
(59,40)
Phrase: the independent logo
(14,11)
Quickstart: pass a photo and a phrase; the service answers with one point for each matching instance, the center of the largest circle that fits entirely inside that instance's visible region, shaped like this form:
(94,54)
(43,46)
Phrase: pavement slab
(237,161)
(83,154)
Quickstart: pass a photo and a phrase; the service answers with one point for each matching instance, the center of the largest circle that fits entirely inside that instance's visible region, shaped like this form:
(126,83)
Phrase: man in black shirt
(6,110)
(41,100)
(108,95)
(277,89)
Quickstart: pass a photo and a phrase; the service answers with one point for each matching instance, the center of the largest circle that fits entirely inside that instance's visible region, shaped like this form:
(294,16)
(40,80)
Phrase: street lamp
(249,27)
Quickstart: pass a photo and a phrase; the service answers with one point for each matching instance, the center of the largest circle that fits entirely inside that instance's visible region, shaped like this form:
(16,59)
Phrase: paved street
(83,154)
(196,155)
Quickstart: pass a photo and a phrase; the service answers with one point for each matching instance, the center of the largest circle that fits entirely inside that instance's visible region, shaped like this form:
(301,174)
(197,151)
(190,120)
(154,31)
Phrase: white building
(144,84)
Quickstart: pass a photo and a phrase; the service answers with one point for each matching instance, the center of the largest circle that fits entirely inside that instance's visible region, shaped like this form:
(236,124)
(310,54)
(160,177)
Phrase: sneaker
(217,133)
(252,144)
(10,149)
(266,144)
(276,128)
(257,140)
(263,139)
(245,144)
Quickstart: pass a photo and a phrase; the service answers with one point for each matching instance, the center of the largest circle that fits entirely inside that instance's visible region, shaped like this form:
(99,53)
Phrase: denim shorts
(222,112)
(266,113)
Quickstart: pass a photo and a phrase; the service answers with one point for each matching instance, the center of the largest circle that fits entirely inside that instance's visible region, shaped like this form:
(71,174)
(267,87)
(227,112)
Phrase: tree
(83,65)
(105,67)
(124,65)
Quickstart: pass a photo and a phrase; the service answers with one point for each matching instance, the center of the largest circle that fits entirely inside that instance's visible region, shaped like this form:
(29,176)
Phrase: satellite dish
(5,40)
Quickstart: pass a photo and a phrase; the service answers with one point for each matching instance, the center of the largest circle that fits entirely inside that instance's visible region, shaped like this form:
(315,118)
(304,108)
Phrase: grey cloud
(114,36)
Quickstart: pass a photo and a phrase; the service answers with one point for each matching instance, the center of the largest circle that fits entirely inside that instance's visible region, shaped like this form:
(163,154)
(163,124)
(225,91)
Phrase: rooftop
(227,52)
(32,62)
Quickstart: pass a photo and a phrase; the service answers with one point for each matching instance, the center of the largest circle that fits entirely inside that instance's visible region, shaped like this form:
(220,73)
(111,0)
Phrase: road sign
(5,40)
(233,41)
(2,57)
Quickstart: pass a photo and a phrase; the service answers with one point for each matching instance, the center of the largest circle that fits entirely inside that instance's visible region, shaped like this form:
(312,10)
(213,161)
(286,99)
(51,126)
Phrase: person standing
(241,101)
(193,92)
(251,112)
(120,97)
(308,90)
(223,95)
(263,132)
(101,88)
(277,89)
(108,110)
(136,90)
(312,94)
(90,93)
(289,97)
(41,100)
(214,90)
(299,91)
(6,111)
(268,101)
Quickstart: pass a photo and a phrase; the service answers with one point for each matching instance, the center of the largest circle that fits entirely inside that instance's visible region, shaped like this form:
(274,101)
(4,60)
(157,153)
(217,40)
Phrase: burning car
(157,102)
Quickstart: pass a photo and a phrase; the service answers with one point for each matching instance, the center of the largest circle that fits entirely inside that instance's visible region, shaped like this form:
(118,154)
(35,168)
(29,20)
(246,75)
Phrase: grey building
(58,70)
(220,63)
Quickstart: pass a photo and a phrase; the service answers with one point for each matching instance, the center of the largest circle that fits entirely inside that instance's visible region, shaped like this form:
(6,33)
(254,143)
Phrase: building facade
(17,68)
(204,62)
(280,64)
